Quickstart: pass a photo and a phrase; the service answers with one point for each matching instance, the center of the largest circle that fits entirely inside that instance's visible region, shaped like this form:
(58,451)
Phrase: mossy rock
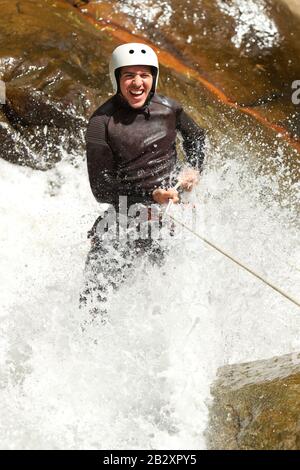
(256,406)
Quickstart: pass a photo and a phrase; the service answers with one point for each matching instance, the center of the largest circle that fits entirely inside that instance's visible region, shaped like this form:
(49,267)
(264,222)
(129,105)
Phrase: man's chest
(135,135)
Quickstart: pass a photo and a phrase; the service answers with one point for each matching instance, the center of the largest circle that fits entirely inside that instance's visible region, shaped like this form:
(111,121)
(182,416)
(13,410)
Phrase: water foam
(143,380)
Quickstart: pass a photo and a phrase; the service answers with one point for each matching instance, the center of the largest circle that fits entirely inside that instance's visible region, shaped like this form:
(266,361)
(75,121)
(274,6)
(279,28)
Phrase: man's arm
(101,163)
(193,139)
(193,144)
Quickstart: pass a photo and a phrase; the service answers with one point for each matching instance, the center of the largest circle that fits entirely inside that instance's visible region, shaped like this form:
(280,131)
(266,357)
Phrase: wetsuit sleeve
(101,162)
(193,139)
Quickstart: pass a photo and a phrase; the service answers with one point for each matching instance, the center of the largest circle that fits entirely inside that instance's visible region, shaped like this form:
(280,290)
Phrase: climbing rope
(234,260)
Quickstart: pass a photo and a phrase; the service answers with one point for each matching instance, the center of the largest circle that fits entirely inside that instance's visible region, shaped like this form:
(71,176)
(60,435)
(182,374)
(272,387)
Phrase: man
(131,138)
(131,146)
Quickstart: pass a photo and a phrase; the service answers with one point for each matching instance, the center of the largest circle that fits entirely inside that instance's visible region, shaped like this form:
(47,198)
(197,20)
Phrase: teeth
(136,93)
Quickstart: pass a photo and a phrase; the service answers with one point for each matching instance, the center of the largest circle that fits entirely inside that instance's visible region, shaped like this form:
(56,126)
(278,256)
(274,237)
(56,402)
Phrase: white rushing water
(142,380)
(253,23)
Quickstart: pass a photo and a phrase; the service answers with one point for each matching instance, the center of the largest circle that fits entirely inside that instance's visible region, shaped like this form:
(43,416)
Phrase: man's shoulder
(166,101)
(96,130)
(106,109)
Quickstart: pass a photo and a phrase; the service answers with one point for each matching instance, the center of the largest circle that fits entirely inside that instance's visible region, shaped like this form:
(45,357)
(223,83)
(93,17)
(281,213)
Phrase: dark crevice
(18,7)
(13,118)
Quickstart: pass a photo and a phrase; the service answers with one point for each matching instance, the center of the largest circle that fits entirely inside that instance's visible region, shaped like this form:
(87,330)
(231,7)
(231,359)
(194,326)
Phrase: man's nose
(137,81)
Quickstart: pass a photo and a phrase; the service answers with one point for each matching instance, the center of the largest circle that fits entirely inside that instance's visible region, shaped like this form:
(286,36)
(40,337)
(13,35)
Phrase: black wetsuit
(130,152)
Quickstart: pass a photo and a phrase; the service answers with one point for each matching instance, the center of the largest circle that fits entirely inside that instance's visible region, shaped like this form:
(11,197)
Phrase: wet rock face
(249,49)
(54,55)
(55,73)
(293,5)
(257,406)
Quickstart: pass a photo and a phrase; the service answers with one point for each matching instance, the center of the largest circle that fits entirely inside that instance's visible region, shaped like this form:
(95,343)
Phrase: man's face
(135,84)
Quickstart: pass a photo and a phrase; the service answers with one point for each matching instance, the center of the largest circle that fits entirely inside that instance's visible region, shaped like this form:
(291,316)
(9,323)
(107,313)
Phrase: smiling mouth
(136,93)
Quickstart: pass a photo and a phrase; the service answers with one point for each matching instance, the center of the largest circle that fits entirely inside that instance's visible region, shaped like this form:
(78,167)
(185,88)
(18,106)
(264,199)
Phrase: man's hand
(163,196)
(188,178)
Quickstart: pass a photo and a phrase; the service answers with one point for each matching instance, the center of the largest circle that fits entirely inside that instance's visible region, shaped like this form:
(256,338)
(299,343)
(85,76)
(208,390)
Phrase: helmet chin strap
(154,75)
(117,75)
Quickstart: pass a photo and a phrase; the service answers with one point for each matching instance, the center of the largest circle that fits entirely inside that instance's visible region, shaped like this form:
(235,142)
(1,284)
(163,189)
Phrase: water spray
(227,255)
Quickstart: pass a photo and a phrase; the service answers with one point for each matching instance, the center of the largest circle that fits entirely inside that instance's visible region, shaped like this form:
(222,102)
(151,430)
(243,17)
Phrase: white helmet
(132,54)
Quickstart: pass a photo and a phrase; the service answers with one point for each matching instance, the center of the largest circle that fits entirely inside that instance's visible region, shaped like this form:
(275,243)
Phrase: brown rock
(293,5)
(251,56)
(237,91)
(77,3)
(257,406)
(55,73)
(53,59)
